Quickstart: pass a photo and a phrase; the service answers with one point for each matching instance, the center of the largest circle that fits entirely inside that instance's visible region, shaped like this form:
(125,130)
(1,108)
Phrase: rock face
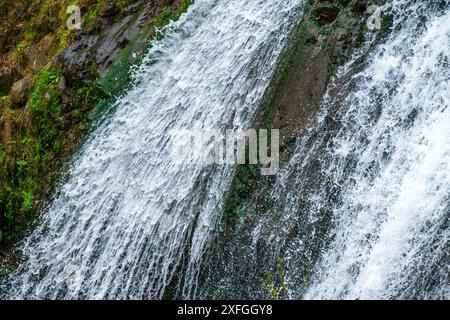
(21,90)
(103,48)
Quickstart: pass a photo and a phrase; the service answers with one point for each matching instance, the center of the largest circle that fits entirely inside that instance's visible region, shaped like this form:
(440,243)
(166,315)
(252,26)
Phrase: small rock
(47,97)
(6,79)
(46,43)
(56,61)
(36,59)
(338,49)
(312,35)
(62,84)
(20,90)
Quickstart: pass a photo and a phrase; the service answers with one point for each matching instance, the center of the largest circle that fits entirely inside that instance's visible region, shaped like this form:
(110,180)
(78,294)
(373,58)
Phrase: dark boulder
(326,14)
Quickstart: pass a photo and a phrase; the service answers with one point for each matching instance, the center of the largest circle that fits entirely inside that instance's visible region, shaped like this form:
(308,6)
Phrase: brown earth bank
(53,81)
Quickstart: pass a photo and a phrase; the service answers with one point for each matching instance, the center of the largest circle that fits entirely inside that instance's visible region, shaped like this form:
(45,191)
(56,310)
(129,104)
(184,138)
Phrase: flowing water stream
(127,216)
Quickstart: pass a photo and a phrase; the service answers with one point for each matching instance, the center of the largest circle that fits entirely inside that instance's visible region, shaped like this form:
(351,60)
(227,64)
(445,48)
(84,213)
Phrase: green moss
(27,197)
(20,45)
(44,105)
(118,78)
(2,151)
(90,19)
(242,183)
(76,113)
(31,34)
(276,289)
(33,154)
(122,4)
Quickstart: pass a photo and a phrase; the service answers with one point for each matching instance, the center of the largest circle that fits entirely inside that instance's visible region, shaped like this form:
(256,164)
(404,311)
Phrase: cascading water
(391,158)
(127,217)
(389,162)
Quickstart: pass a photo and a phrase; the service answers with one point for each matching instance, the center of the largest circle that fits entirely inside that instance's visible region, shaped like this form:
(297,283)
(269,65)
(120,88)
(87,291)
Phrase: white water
(391,161)
(120,224)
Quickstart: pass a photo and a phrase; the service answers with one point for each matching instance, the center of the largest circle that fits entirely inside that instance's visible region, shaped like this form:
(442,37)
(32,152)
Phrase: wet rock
(107,49)
(20,90)
(326,14)
(312,35)
(104,47)
(346,22)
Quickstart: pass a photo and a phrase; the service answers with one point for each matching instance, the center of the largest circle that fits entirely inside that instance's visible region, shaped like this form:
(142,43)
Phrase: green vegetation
(45,138)
(33,152)
(277,289)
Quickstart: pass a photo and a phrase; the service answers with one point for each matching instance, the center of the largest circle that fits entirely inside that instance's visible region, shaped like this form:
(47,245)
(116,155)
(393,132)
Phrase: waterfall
(127,218)
(389,163)
(361,208)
